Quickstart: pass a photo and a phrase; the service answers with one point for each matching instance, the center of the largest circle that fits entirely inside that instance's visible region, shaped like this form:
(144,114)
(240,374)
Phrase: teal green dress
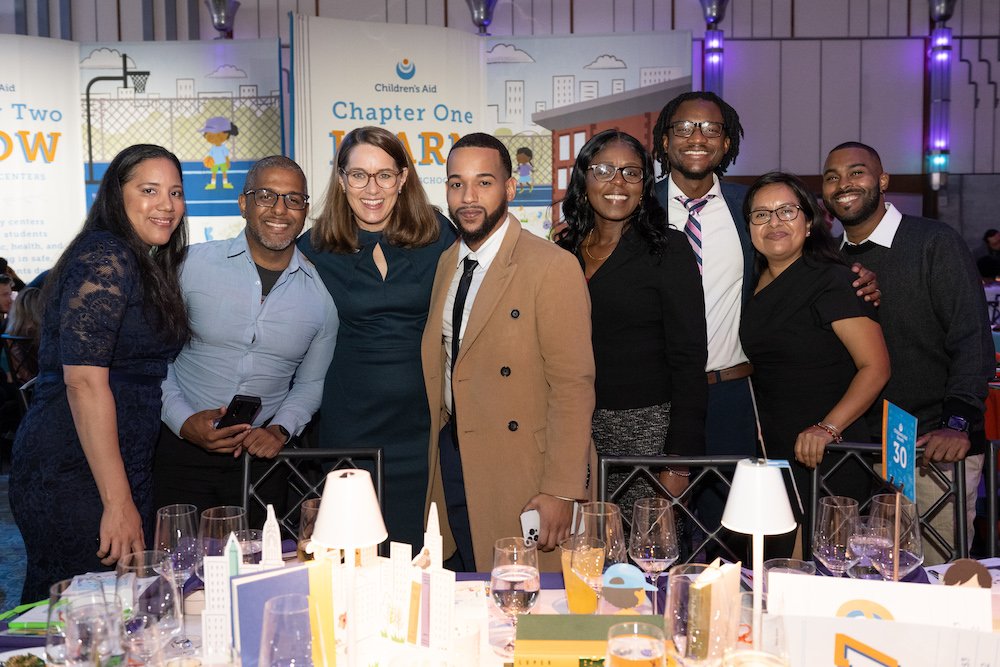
(374,393)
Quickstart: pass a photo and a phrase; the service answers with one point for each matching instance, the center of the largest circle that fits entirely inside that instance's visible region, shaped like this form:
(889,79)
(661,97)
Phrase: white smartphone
(531,524)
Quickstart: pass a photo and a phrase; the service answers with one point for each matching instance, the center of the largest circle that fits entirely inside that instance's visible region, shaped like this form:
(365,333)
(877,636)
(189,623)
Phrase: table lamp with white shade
(758,506)
(349,519)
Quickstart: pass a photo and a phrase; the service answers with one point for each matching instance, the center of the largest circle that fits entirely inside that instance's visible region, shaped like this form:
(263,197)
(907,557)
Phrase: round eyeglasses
(606,172)
(358,178)
(294,201)
(762,216)
(685,128)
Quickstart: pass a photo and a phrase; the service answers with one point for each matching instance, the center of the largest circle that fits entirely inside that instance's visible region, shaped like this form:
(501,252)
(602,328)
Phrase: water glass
(787,566)
(635,645)
(514,581)
(308,512)
(286,636)
(582,566)
(836,521)
(696,636)
(154,617)
(251,544)
(652,543)
(902,528)
(93,630)
(60,594)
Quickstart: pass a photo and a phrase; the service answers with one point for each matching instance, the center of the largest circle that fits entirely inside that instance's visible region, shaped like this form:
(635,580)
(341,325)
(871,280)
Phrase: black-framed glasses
(294,201)
(606,172)
(710,129)
(358,178)
(762,216)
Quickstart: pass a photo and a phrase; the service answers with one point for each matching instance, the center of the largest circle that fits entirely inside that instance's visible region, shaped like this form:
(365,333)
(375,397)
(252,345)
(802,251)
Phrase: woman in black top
(648,310)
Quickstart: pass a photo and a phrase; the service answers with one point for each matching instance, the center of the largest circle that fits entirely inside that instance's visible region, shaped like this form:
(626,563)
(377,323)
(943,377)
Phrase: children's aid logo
(405,69)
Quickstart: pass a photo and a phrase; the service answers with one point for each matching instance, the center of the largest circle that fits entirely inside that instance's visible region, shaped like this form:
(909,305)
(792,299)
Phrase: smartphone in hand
(242,410)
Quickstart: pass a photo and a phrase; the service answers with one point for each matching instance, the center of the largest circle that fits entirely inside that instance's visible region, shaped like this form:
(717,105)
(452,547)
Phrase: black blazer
(649,335)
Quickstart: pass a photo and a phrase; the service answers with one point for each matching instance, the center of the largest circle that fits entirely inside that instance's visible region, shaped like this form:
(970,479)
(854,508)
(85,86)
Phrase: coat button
(512,425)
(515,313)
(505,371)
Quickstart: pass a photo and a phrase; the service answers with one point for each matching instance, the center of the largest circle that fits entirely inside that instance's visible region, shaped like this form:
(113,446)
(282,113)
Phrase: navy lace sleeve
(95,293)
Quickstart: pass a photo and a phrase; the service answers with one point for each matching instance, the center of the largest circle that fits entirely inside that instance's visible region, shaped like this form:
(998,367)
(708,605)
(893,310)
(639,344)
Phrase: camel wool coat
(523,387)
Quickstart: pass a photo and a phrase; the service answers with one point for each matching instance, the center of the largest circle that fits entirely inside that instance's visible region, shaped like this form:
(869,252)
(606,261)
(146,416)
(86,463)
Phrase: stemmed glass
(652,543)
(904,524)
(871,537)
(154,618)
(514,581)
(835,523)
(177,537)
(604,521)
(214,529)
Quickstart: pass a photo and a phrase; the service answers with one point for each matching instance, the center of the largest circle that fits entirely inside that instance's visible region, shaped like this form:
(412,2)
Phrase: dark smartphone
(241,410)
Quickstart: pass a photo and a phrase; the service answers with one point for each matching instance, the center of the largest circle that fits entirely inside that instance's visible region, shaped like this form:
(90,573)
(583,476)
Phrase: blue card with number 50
(899,445)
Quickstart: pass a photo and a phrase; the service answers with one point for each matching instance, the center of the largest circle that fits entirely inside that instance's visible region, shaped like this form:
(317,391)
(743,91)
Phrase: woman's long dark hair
(158,267)
(819,245)
(649,219)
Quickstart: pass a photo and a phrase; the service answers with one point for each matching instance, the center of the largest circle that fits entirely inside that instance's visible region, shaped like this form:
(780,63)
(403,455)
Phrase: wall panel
(840,95)
(757,100)
(892,101)
(248,23)
(821,18)
(131,22)
(593,16)
(799,97)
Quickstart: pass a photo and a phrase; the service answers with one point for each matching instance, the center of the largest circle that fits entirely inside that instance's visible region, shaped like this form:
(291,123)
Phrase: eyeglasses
(786,213)
(606,172)
(358,178)
(685,128)
(294,201)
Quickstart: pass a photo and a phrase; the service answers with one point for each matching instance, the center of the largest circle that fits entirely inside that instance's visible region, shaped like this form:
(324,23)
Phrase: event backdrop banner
(423,83)
(216,105)
(43,205)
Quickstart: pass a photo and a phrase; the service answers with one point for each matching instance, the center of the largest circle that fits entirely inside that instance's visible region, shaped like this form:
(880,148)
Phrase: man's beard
(490,220)
(869,204)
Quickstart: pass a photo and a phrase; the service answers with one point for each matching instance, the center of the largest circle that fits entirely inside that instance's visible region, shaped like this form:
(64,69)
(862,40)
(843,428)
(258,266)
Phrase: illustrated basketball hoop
(139,80)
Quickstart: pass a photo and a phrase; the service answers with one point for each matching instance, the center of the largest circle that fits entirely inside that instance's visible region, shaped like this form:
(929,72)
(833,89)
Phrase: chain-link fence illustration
(175,123)
(540,146)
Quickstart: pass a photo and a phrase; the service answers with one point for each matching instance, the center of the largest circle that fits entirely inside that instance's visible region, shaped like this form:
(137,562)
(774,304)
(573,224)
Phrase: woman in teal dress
(376,244)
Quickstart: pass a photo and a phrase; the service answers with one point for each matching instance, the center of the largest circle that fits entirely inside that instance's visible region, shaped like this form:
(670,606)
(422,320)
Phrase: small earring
(399,191)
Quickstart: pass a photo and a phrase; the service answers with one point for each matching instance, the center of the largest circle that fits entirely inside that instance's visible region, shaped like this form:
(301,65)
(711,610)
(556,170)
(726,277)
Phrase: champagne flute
(835,523)
(652,543)
(214,529)
(902,527)
(514,581)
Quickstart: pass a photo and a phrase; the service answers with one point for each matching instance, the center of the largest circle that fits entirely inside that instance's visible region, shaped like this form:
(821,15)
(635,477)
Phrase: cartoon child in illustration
(524,169)
(217,131)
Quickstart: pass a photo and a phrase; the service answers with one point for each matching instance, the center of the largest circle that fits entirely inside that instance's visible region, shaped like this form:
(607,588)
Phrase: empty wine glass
(214,529)
(652,543)
(604,521)
(177,535)
(514,581)
(902,529)
(154,617)
(835,523)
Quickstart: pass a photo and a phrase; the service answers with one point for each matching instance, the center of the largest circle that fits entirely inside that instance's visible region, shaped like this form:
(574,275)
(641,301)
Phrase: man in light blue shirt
(263,325)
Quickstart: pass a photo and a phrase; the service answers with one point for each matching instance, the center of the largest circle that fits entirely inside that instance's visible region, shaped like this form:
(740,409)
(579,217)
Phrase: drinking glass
(217,523)
(308,512)
(154,618)
(870,538)
(93,631)
(582,566)
(514,581)
(902,527)
(177,535)
(635,645)
(835,523)
(60,594)
(604,521)
(696,636)
(652,543)
(251,544)
(286,635)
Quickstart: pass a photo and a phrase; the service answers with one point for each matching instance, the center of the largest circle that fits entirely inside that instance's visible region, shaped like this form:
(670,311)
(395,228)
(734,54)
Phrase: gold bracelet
(831,429)
(671,471)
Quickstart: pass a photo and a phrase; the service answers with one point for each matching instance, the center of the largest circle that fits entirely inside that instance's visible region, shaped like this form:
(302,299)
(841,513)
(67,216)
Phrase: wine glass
(835,523)
(286,635)
(604,521)
(176,535)
(652,543)
(902,527)
(214,529)
(308,512)
(871,537)
(514,581)
(147,586)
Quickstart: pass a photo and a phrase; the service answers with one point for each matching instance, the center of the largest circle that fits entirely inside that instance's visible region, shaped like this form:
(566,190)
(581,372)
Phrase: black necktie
(468,268)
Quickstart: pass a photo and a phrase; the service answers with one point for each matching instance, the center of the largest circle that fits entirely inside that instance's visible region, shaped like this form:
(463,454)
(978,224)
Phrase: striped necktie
(692,227)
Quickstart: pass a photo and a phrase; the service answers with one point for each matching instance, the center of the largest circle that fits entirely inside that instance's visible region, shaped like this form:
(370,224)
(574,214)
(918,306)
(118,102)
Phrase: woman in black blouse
(648,310)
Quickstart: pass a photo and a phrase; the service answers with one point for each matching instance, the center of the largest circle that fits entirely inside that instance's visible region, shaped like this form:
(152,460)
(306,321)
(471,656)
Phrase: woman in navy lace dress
(80,482)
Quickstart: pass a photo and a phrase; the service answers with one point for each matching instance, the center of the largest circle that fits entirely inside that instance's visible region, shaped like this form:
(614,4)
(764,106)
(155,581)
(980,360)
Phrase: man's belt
(736,372)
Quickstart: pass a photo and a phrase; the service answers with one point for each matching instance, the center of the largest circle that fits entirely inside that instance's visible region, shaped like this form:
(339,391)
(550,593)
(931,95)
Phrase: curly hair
(730,124)
(649,219)
(411,224)
(819,245)
(159,265)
